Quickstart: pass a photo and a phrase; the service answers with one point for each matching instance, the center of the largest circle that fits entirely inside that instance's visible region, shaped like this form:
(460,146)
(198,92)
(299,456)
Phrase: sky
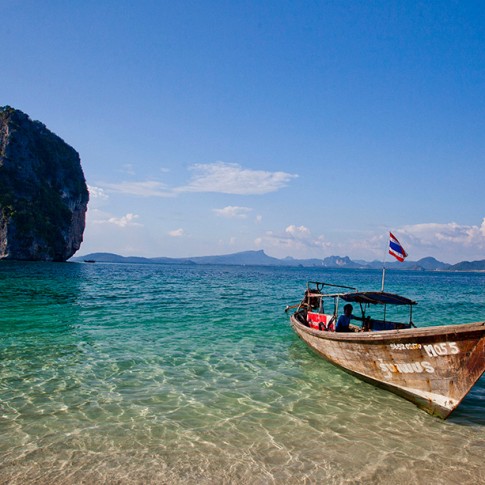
(303,128)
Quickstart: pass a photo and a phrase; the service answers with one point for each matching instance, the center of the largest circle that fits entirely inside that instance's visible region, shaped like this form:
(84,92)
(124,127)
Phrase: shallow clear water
(192,374)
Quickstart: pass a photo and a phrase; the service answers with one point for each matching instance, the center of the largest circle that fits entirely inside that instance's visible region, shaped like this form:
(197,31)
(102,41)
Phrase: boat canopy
(376,298)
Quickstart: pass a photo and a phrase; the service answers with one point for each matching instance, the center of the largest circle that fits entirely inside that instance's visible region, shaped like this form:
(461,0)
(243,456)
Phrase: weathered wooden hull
(433,367)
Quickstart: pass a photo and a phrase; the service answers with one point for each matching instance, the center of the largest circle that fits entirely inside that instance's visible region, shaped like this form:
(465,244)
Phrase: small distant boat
(434,367)
(89,260)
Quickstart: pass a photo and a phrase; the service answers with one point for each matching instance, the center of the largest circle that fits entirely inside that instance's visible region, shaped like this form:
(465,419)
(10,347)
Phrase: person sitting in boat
(343,322)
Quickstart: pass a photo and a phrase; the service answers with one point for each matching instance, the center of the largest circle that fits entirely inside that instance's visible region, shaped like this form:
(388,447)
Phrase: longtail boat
(434,367)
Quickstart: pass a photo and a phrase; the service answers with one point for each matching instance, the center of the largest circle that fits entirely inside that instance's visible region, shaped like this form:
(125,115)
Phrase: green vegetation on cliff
(43,193)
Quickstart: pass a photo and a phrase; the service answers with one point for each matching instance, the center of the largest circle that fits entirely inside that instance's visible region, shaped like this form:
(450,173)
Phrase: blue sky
(306,129)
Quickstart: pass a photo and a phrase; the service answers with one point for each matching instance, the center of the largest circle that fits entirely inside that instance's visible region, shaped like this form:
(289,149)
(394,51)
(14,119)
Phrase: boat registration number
(433,350)
(405,346)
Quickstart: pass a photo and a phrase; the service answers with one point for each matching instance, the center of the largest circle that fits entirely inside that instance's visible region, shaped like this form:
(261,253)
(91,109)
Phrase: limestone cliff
(43,192)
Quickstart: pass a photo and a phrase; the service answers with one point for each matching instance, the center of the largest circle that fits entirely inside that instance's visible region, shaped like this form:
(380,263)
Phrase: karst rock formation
(43,192)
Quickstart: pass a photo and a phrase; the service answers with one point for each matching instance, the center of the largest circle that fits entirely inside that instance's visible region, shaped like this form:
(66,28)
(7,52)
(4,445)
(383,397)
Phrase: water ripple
(169,374)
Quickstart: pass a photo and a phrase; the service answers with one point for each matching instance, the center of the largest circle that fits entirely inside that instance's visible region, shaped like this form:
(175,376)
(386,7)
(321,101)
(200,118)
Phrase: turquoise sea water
(192,374)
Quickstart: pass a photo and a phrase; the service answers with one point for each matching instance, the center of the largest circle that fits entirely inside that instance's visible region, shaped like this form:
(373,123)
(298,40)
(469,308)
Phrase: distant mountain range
(260,258)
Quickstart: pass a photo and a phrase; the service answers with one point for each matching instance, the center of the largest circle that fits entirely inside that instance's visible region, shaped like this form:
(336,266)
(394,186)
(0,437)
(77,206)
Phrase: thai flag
(395,248)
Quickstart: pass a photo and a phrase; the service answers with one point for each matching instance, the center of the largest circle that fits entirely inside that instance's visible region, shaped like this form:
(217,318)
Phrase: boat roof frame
(362,297)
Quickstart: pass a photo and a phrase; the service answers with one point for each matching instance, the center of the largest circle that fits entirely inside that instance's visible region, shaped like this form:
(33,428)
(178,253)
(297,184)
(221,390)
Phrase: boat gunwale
(398,334)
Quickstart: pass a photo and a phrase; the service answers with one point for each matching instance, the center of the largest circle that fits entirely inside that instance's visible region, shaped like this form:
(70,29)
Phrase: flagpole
(384,268)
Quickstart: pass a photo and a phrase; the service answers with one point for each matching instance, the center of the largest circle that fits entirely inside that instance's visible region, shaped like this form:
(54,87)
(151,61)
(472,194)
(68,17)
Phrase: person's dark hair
(348,306)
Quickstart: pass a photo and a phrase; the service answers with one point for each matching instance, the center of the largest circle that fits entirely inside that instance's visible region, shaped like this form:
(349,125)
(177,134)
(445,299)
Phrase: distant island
(260,258)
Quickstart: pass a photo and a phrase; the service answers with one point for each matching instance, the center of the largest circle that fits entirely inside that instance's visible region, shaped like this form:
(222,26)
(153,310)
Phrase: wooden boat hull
(433,367)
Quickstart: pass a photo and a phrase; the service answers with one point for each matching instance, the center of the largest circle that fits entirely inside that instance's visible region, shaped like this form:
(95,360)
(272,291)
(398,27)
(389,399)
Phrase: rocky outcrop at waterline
(43,192)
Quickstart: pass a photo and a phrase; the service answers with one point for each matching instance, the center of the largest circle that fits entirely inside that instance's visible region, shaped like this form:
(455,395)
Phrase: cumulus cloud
(231,178)
(303,236)
(97,193)
(294,239)
(450,242)
(124,221)
(177,232)
(232,212)
(298,232)
(451,232)
(447,236)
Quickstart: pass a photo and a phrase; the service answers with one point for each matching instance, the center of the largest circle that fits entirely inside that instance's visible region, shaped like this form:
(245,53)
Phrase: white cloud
(451,232)
(124,221)
(304,236)
(298,232)
(231,212)
(177,233)
(231,178)
(447,237)
(219,177)
(449,242)
(97,193)
(295,240)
